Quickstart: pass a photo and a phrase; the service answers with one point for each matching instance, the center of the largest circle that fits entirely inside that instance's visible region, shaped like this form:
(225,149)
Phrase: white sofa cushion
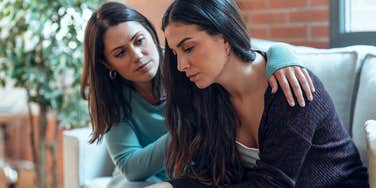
(370,129)
(101,182)
(336,68)
(365,107)
(84,162)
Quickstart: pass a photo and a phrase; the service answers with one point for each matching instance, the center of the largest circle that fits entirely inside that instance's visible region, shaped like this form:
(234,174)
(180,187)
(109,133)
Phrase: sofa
(349,75)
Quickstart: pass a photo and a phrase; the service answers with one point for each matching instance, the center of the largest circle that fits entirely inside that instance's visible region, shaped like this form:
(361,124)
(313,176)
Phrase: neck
(242,79)
(145,90)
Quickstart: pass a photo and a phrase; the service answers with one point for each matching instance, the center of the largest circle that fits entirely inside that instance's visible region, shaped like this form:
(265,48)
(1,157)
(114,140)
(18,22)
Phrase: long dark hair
(203,122)
(107,102)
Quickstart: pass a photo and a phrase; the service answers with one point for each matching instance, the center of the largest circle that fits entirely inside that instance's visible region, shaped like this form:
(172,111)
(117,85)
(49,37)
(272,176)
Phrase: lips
(142,66)
(192,76)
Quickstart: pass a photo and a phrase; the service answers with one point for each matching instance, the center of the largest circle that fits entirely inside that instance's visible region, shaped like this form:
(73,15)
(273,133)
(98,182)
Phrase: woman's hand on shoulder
(294,77)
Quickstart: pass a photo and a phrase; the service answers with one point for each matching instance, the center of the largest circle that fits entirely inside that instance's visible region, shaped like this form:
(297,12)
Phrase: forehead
(176,31)
(121,32)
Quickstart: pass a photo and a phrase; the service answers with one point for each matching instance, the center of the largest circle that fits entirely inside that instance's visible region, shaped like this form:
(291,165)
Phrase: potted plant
(41,51)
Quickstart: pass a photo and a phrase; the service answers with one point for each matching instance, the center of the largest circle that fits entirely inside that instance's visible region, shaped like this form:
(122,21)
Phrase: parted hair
(202,122)
(106,98)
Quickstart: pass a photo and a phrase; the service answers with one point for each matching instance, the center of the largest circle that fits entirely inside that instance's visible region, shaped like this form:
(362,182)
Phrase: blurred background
(41,58)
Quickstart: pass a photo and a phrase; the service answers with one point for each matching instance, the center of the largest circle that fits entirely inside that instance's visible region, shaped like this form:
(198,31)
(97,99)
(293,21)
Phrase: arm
(283,65)
(136,162)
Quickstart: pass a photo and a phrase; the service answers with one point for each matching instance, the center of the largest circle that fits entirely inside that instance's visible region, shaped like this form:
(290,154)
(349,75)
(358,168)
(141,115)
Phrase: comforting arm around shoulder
(280,55)
(136,162)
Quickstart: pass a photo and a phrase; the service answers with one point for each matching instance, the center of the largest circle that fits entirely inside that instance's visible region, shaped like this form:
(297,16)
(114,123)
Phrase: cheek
(121,65)
(154,52)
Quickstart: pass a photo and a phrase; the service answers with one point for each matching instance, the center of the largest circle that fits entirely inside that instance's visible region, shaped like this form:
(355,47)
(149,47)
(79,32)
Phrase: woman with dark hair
(122,81)
(226,128)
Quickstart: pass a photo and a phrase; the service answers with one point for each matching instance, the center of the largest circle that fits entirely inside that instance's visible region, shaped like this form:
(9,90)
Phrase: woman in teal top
(123,83)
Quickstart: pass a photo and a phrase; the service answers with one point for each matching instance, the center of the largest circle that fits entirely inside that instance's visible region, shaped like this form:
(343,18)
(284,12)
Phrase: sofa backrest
(349,75)
(365,106)
(83,161)
(337,70)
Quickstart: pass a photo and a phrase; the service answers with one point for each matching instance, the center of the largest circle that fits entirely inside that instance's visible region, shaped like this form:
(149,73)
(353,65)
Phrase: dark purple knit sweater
(301,147)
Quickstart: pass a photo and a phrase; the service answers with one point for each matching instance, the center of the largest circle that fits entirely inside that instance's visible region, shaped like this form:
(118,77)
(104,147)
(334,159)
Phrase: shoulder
(280,114)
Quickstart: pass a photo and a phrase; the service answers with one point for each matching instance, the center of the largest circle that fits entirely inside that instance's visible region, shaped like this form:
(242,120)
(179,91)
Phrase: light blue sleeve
(136,163)
(280,55)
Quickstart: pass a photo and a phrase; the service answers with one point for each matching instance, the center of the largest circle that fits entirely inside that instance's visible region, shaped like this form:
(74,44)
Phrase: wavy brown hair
(107,102)
(203,122)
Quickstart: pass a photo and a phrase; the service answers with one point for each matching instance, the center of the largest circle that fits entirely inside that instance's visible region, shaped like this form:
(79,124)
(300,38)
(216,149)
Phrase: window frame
(338,36)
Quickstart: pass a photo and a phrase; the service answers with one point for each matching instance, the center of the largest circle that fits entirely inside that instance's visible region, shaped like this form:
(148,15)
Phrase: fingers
(308,78)
(284,84)
(273,83)
(303,82)
(294,84)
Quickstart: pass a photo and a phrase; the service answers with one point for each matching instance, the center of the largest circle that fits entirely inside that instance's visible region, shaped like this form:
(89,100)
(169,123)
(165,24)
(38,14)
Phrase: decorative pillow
(370,129)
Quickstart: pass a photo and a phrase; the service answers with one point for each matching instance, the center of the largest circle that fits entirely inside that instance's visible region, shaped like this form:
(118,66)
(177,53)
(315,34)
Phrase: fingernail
(310,98)
(292,104)
(302,104)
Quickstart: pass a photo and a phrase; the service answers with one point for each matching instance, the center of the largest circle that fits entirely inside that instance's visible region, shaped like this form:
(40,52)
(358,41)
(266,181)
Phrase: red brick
(259,32)
(253,4)
(319,31)
(269,18)
(320,2)
(309,16)
(289,32)
(288,3)
(244,5)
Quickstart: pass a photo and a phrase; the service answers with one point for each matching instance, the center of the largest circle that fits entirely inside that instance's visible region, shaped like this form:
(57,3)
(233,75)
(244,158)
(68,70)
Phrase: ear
(227,46)
(226,43)
(106,65)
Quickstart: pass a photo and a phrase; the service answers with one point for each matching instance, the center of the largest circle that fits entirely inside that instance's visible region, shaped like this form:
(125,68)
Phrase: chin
(201,85)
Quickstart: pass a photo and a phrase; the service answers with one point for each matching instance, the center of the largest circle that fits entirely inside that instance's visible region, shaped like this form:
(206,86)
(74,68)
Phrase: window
(352,22)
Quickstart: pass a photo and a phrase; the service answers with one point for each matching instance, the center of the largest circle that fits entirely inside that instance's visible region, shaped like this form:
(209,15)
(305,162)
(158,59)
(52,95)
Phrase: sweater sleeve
(136,162)
(285,139)
(280,55)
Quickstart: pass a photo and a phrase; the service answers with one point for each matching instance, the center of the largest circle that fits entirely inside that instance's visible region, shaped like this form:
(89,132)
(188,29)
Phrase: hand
(160,185)
(294,77)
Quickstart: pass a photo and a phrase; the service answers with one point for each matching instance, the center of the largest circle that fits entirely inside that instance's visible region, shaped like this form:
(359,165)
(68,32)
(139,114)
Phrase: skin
(132,53)
(208,59)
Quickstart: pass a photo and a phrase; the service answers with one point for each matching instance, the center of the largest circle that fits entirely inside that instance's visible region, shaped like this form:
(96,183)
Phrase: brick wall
(300,22)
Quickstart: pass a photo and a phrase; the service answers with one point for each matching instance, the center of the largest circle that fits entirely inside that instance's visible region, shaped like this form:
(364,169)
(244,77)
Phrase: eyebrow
(182,41)
(134,36)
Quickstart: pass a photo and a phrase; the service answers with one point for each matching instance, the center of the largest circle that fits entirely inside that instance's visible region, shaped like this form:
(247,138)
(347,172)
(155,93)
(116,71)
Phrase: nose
(182,64)
(137,53)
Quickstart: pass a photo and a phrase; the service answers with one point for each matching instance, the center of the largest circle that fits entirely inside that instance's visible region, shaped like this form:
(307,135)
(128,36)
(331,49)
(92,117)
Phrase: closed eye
(140,41)
(188,50)
(120,53)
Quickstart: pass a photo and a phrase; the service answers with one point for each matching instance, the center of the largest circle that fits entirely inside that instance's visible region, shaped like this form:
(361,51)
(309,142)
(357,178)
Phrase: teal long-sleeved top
(137,146)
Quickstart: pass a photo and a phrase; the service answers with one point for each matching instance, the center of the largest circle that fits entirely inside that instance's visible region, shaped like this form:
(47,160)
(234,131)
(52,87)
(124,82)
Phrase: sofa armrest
(83,161)
(370,128)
